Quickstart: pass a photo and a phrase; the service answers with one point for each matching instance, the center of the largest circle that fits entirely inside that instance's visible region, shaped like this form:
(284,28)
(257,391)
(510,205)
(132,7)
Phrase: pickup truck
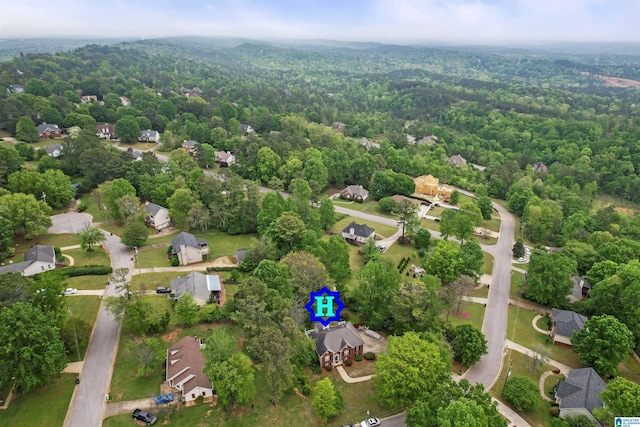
(145,416)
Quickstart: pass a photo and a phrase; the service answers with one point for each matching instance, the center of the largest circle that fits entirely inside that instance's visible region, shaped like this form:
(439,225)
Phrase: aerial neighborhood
(162,248)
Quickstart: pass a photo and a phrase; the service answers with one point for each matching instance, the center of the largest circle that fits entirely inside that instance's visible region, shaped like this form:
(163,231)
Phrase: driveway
(69,223)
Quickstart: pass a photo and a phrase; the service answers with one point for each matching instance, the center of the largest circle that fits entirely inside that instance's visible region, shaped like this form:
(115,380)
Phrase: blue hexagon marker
(328,306)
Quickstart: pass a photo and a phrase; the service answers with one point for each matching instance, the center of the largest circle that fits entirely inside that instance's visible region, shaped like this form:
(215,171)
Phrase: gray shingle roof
(581,389)
(40,253)
(240,253)
(184,239)
(197,284)
(15,268)
(567,322)
(44,126)
(153,209)
(149,134)
(356,190)
(190,143)
(53,147)
(335,338)
(361,230)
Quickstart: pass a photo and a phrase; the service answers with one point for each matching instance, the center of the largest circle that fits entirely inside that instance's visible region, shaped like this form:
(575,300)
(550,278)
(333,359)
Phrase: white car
(527,251)
(70,291)
(522,259)
(371,422)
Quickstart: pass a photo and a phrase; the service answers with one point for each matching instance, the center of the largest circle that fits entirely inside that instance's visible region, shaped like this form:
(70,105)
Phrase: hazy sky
(466,21)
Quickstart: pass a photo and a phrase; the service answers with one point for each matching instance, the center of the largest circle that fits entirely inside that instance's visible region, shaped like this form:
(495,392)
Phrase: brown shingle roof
(185,364)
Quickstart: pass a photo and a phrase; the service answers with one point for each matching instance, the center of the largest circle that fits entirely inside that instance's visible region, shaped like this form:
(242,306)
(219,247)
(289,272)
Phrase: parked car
(164,398)
(371,422)
(145,416)
(163,290)
(70,291)
(382,248)
(527,251)
(522,259)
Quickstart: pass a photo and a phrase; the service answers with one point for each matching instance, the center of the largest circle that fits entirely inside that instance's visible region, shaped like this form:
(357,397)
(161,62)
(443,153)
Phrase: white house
(185,369)
(225,158)
(188,249)
(157,216)
(38,259)
(54,150)
(149,136)
(358,233)
(106,131)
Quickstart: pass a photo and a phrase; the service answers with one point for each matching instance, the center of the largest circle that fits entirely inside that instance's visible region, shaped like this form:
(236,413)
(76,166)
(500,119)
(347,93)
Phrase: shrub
(222,268)
(522,392)
(199,399)
(315,368)
(370,356)
(358,358)
(555,411)
(344,316)
(306,389)
(81,207)
(175,261)
(329,368)
(86,270)
(348,362)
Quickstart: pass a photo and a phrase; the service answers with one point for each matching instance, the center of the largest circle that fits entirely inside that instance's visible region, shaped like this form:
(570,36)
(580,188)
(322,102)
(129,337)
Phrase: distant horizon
(404,22)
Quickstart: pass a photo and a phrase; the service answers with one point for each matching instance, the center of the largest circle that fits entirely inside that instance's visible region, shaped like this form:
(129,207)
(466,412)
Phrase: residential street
(89,397)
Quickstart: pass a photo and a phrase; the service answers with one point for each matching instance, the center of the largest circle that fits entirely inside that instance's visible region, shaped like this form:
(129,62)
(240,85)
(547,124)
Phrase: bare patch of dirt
(462,315)
(171,336)
(615,81)
(625,211)
(296,391)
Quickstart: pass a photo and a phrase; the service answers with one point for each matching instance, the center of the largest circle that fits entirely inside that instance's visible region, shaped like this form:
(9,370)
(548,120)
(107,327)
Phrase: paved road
(88,401)
(496,314)
(69,223)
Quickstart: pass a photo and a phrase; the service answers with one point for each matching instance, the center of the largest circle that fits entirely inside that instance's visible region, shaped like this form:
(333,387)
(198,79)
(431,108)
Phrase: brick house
(355,192)
(49,131)
(335,344)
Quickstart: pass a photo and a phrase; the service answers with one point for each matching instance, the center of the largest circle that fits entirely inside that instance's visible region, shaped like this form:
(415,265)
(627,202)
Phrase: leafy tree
(454,199)
(387,205)
(603,343)
(518,249)
(10,162)
(326,400)
(47,288)
(408,217)
(522,393)
(90,237)
(14,287)
(378,283)
(462,412)
(410,369)
(271,207)
(267,163)
(28,214)
(473,256)
(53,186)
(327,213)
(26,130)
(621,398)
(135,235)
(38,87)
(416,307)
(180,204)
(422,239)
(288,231)
(486,207)
(370,251)
(276,276)
(460,287)
(275,352)
(307,273)
(233,380)
(187,309)
(548,280)
(445,262)
(129,208)
(119,188)
(7,231)
(468,344)
(149,352)
(33,352)
(334,254)
(128,129)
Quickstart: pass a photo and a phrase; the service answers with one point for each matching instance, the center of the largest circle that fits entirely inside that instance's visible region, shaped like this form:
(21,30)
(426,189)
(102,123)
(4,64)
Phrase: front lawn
(487,266)
(84,307)
(486,240)
(60,240)
(46,406)
(152,257)
(87,282)
(370,206)
(516,286)
(381,229)
(150,281)
(397,251)
(493,224)
(470,312)
(430,224)
(97,256)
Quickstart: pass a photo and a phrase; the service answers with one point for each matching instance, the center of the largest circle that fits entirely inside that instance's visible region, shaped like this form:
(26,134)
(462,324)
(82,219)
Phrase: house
(540,167)
(204,288)
(188,249)
(49,131)
(355,192)
(429,186)
(246,129)
(137,155)
(189,145)
(581,288)
(339,126)
(225,158)
(335,344)
(106,131)
(358,233)
(579,394)
(149,136)
(240,254)
(457,160)
(411,139)
(16,89)
(53,150)
(38,259)
(86,99)
(417,271)
(564,324)
(125,101)
(429,140)
(185,365)
(157,216)
(368,144)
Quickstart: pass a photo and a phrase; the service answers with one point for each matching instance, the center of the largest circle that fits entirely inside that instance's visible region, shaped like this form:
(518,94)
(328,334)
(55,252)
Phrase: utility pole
(75,332)
(508,375)
(137,254)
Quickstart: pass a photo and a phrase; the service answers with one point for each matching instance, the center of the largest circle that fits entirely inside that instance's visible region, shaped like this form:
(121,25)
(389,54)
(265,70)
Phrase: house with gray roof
(368,144)
(53,150)
(157,216)
(581,288)
(337,343)
(188,249)
(37,260)
(149,136)
(564,324)
(185,369)
(428,140)
(355,233)
(189,145)
(579,394)
(355,192)
(203,287)
(457,160)
(246,129)
(49,131)
(540,167)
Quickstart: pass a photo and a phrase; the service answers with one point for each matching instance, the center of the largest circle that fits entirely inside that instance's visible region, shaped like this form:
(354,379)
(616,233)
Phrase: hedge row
(86,270)
(222,268)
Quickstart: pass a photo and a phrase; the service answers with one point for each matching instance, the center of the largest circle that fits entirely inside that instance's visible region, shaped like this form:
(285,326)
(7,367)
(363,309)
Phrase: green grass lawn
(162,239)
(630,369)
(59,240)
(140,146)
(46,406)
(550,384)
(436,211)
(430,224)
(222,244)
(87,282)
(92,208)
(397,251)
(483,292)
(516,283)
(81,257)
(370,206)
(519,330)
(487,266)
(150,281)
(381,229)
(83,307)
(471,312)
(152,257)
(521,367)
(521,265)
(486,240)
(493,224)
(114,227)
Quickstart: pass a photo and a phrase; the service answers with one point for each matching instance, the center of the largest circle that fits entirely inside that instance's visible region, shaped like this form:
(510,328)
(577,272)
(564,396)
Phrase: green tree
(486,207)
(271,207)
(326,400)
(27,152)
(462,412)
(275,352)
(32,351)
(149,352)
(518,249)
(28,214)
(378,284)
(416,307)
(306,272)
(410,369)
(387,205)
(276,276)
(454,199)
(135,235)
(370,251)
(445,262)
(129,207)
(53,186)
(603,343)
(267,163)
(621,398)
(38,87)
(233,380)
(10,162)
(91,237)
(180,204)
(26,130)
(334,254)
(408,217)
(119,188)
(288,231)
(468,344)
(422,240)
(128,129)
(548,280)
(522,393)
(187,309)
(327,213)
